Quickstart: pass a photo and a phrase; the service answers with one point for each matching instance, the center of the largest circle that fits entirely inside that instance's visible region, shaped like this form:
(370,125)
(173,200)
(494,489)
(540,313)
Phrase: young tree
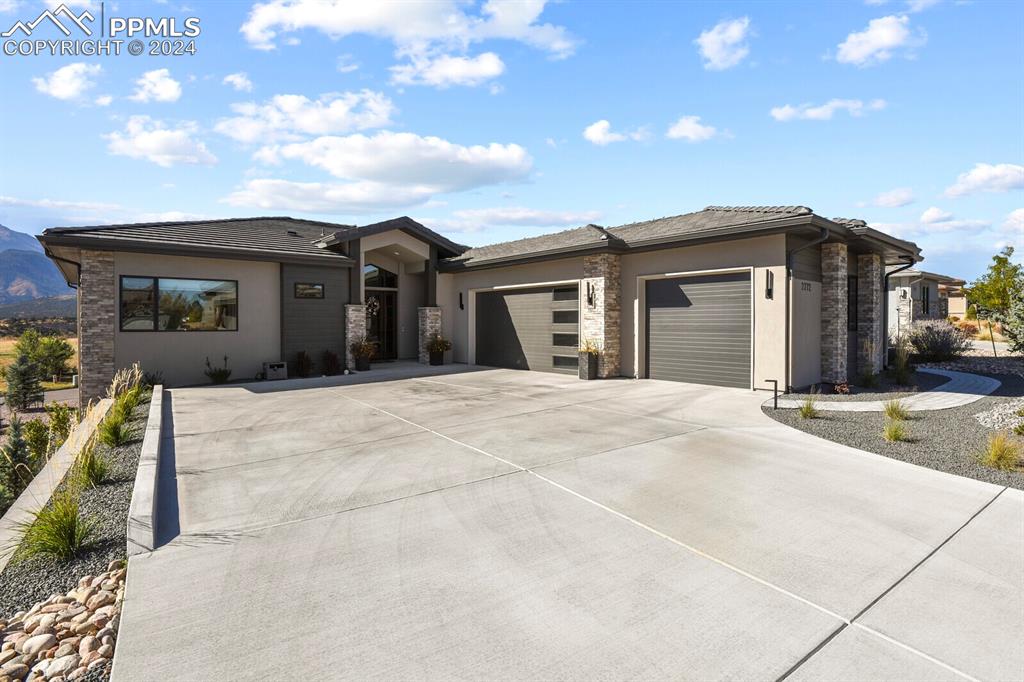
(52,355)
(994,291)
(1013,324)
(23,387)
(27,343)
(37,437)
(15,471)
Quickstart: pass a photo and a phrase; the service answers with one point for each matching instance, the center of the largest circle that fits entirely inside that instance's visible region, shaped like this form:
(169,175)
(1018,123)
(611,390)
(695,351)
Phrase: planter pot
(588,366)
(437,357)
(362,364)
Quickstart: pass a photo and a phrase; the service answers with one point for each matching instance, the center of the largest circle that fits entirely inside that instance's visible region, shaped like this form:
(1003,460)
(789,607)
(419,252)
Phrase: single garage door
(698,329)
(535,328)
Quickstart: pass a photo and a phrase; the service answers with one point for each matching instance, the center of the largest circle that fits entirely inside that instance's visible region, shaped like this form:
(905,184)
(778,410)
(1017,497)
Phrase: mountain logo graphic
(78,20)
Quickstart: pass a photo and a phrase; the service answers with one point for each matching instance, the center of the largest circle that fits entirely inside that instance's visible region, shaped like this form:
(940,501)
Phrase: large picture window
(168,304)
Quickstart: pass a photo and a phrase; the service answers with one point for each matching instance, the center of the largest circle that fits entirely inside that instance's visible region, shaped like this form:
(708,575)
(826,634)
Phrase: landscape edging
(142,510)
(39,491)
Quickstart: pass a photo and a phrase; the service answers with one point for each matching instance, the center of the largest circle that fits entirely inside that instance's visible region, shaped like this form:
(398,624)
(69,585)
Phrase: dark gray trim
(355,275)
(103,244)
(403,224)
(430,272)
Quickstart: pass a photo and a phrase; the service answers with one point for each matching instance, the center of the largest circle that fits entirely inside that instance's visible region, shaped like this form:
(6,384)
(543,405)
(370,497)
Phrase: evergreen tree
(23,387)
(1013,323)
(15,469)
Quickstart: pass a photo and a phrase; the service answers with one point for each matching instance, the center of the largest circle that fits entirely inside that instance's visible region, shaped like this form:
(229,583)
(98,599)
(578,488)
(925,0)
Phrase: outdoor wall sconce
(461,305)
(769,285)
(903,293)
(590,294)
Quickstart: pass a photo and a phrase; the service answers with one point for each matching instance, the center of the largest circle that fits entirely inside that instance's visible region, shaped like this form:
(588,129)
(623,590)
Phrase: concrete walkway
(961,389)
(500,525)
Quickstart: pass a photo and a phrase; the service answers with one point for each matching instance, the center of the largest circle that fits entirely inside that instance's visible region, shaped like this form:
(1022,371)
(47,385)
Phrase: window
(375,276)
(308,290)
(565,316)
(564,294)
(926,300)
(851,303)
(564,340)
(178,305)
(562,361)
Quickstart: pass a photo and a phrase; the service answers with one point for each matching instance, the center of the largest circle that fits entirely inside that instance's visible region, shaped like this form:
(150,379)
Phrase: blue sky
(493,121)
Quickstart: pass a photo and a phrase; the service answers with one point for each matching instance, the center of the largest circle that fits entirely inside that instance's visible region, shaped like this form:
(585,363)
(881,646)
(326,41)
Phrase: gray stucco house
(733,296)
(914,294)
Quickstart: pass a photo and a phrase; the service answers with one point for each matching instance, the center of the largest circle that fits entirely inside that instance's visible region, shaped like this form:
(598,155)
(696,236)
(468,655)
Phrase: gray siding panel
(515,329)
(698,329)
(313,325)
(806,263)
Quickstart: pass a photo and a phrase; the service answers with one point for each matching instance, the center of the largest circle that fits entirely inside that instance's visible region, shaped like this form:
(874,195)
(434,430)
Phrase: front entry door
(381,314)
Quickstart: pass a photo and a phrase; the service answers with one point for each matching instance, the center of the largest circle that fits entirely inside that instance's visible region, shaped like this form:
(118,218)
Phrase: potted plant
(362,350)
(589,353)
(436,347)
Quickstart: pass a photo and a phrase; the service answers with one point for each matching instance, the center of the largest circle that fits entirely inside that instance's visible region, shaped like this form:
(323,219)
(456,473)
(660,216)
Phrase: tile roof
(270,235)
(588,235)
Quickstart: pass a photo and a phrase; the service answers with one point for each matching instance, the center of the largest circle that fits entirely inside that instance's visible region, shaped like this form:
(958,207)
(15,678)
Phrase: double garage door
(699,329)
(535,328)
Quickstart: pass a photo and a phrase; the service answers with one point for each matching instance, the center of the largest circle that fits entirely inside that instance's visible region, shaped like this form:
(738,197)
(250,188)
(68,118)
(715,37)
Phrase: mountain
(28,274)
(41,308)
(12,239)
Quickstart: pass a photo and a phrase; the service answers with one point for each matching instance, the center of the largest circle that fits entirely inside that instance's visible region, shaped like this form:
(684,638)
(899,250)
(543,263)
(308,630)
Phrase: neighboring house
(918,295)
(727,296)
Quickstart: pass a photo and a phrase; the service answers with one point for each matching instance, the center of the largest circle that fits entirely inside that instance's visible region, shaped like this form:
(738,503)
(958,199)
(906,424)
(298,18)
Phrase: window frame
(156,305)
(320,285)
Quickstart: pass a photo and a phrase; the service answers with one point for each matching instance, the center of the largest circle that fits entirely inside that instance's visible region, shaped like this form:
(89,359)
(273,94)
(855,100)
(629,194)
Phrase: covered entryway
(532,328)
(698,329)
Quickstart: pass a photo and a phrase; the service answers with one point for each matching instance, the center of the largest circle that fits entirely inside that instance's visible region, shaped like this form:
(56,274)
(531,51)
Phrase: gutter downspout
(822,237)
(885,310)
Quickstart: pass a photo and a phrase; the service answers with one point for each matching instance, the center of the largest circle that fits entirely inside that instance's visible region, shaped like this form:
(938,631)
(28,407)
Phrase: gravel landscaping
(27,581)
(886,389)
(946,440)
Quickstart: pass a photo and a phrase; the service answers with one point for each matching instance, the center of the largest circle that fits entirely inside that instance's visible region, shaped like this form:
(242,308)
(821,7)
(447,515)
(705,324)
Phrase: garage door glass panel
(524,328)
(698,329)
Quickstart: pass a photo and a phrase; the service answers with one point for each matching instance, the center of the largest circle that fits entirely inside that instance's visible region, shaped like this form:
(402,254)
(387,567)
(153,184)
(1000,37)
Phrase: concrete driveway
(515,525)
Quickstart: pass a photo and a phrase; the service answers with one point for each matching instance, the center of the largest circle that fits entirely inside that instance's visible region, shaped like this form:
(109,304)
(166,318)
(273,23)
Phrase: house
(733,296)
(918,295)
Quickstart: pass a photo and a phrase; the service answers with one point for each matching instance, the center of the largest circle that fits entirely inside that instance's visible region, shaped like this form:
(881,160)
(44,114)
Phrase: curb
(39,491)
(142,510)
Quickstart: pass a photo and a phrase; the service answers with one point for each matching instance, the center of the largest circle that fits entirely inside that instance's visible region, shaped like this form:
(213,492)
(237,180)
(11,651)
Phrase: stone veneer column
(870,304)
(97,317)
(601,321)
(355,329)
(429,324)
(833,313)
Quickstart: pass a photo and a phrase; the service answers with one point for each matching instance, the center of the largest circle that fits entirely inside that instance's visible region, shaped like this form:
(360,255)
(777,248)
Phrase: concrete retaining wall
(142,511)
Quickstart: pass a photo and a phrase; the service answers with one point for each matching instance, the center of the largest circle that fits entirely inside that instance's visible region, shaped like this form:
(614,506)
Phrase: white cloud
(690,128)
(985,177)
(946,227)
(420,27)
(1014,222)
(149,139)
(824,112)
(239,81)
(320,197)
(286,117)
(894,198)
(935,215)
(409,159)
(58,204)
(470,220)
(156,86)
(103,100)
(445,70)
(724,45)
(346,64)
(8,5)
(920,5)
(68,82)
(600,133)
(876,43)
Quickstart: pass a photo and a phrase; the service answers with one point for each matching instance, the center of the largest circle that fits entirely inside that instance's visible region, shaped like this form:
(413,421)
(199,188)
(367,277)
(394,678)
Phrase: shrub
(56,530)
(23,387)
(151,379)
(331,363)
(15,469)
(901,371)
(937,340)
(303,364)
(1000,452)
(91,467)
(1019,429)
(37,437)
(895,431)
(363,348)
(972,313)
(438,344)
(895,410)
(953,319)
(867,380)
(125,379)
(969,327)
(808,410)
(62,420)
(589,346)
(128,401)
(217,375)
(113,430)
